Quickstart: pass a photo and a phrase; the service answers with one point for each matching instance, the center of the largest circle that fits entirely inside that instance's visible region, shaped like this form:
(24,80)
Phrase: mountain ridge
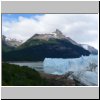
(91,49)
(39,47)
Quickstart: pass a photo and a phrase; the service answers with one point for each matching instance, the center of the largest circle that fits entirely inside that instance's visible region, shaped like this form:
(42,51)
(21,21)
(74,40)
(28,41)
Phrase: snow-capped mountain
(91,49)
(11,42)
(54,35)
(5,46)
(50,45)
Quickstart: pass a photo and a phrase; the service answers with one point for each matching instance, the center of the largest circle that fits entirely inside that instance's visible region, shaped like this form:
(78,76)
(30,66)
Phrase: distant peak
(59,34)
(58,31)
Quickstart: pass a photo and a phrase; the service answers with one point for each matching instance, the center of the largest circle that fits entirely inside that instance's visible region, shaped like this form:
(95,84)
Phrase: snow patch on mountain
(91,49)
(85,46)
(11,41)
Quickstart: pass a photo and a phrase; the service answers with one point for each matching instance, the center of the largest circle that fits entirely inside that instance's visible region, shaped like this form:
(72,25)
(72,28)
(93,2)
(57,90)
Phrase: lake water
(35,65)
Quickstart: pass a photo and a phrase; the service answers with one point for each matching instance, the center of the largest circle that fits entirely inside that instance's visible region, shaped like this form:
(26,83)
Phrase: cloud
(83,28)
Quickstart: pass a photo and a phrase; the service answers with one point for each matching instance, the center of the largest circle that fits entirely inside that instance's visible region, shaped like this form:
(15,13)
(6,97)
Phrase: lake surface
(35,65)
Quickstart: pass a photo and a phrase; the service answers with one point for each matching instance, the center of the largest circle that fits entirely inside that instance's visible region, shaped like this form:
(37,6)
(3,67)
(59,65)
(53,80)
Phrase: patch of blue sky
(15,17)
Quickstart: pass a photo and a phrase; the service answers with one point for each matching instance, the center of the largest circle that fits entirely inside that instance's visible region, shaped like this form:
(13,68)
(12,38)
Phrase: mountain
(5,46)
(50,45)
(47,38)
(9,44)
(91,49)
(13,42)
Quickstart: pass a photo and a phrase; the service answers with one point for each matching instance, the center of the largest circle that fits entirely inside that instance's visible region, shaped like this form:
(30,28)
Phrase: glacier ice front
(86,78)
(61,66)
(85,68)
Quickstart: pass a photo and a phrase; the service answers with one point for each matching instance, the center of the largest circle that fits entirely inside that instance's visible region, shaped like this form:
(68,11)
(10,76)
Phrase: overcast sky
(83,28)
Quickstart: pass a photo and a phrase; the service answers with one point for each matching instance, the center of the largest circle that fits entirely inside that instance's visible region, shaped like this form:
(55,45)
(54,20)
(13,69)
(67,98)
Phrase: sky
(82,28)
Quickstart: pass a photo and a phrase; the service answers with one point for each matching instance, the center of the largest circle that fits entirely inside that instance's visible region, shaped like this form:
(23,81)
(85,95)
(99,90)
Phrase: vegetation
(14,75)
(35,42)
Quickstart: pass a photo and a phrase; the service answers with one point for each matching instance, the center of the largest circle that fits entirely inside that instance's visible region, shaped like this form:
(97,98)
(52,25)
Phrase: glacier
(86,65)
(86,77)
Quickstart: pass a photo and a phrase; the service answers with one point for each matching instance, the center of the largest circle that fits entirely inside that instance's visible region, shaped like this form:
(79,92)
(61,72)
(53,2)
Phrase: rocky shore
(58,80)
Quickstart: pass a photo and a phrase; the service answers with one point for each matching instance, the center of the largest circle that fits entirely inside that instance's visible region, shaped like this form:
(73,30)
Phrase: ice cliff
(84,68)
